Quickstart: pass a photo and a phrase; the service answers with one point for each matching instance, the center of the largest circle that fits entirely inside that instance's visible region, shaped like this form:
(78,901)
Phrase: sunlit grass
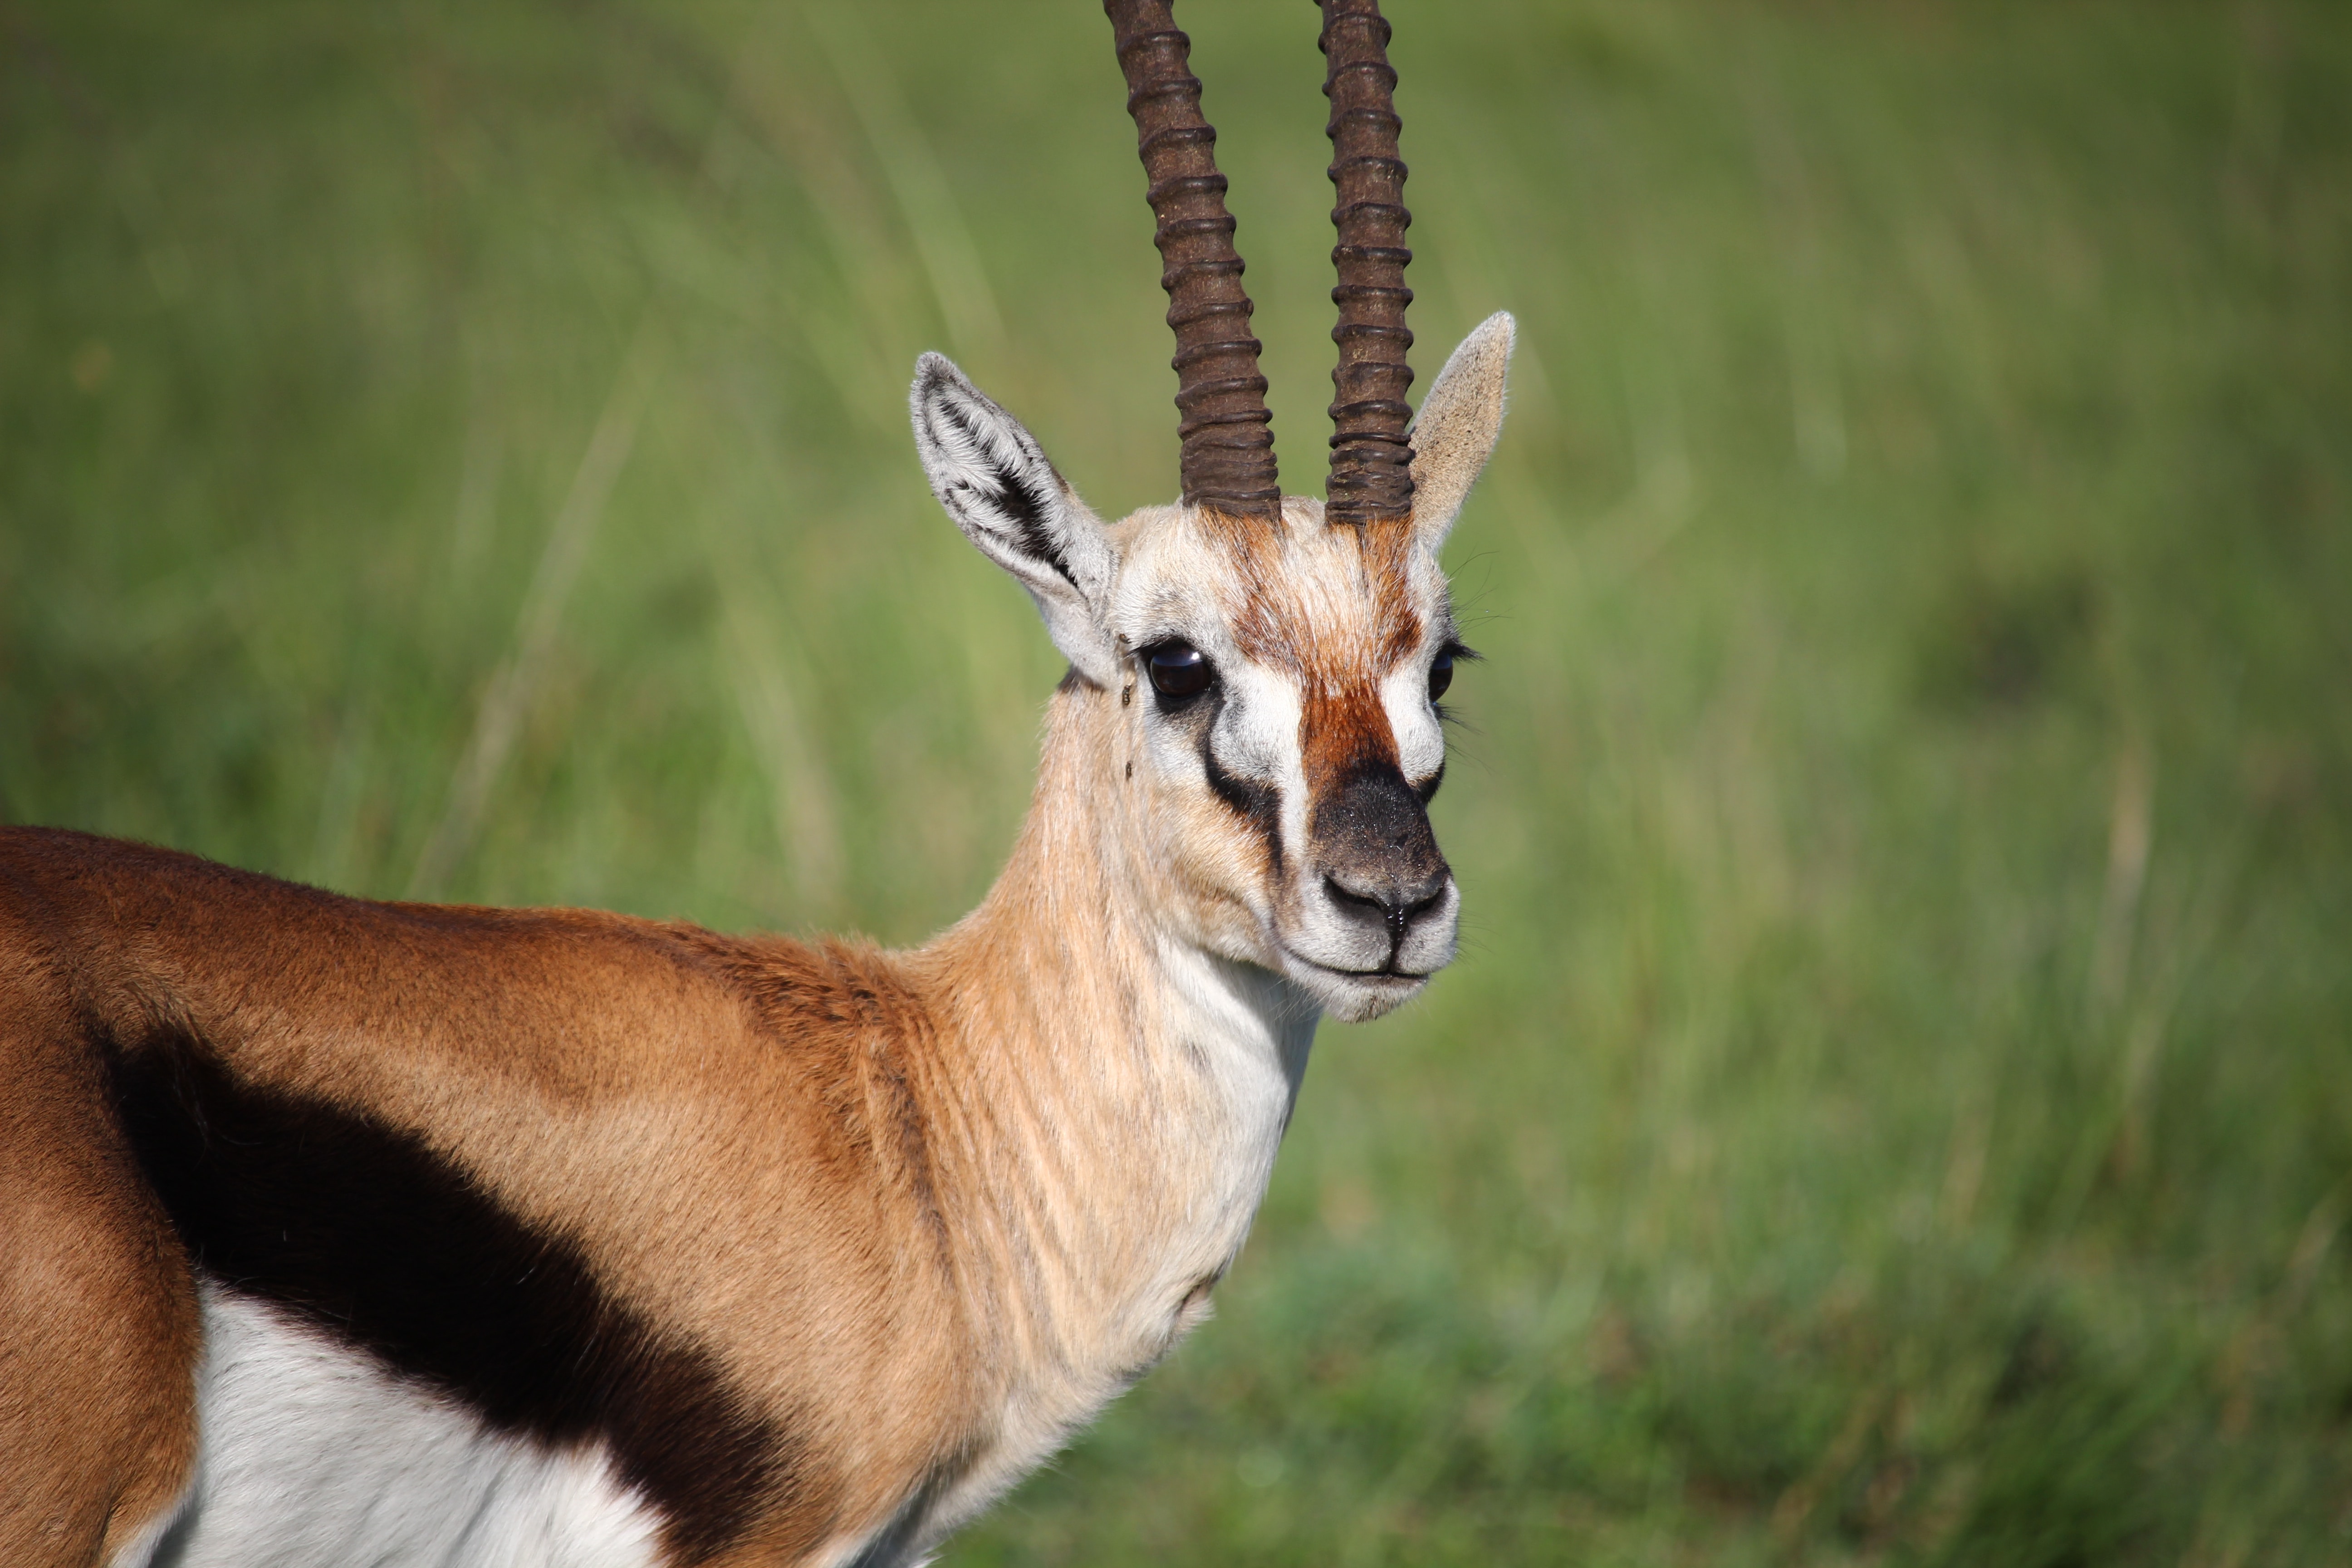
(1893,1104)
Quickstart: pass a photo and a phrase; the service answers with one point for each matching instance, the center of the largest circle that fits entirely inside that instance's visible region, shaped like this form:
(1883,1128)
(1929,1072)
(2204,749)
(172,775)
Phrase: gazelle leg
(99,1327)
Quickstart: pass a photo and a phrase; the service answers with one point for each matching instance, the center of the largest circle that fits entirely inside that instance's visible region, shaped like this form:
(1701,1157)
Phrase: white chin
(1354,998)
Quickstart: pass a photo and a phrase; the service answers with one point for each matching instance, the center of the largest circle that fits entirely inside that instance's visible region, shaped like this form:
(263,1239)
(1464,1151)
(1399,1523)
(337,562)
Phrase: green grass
(1893,1106)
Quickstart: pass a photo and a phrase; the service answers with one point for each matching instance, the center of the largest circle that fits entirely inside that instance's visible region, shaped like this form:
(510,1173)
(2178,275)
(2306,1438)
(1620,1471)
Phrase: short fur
(336,1229)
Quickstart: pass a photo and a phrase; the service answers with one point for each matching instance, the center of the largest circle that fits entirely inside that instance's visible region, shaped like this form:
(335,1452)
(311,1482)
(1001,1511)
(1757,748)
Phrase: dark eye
(1441,674)
(1179,670)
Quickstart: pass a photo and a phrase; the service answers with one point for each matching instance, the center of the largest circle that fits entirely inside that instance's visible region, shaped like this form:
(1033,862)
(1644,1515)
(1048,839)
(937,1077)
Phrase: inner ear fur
(1454,432)
(994,480)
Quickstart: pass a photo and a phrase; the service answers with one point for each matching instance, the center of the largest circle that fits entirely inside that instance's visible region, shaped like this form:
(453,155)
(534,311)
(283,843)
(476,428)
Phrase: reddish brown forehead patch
(1337,611)
(1336,606)
(1340,730)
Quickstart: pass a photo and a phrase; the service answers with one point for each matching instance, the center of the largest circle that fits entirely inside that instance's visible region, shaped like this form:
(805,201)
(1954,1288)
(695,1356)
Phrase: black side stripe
(363,1231)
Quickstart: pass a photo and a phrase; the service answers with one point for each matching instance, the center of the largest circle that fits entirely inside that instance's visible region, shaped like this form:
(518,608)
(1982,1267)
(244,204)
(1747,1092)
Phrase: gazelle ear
(994,480)
(1453,433)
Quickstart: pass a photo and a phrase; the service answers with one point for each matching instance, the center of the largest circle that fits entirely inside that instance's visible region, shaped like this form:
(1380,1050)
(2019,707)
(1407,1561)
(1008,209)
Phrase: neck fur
(1125,1091)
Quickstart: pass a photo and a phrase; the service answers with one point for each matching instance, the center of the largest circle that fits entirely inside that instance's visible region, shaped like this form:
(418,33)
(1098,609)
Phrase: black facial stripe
(1024,502)
(1259,804)
(1427,788)
(366,1233)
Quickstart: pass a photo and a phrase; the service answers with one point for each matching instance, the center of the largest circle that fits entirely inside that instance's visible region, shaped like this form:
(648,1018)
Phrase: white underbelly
(313,1457)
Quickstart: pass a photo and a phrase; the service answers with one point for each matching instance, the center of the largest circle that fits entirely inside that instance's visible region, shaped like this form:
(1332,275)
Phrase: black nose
(1371,841)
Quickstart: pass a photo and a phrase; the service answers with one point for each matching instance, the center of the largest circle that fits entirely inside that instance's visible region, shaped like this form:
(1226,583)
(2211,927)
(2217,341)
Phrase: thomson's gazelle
(336,1232)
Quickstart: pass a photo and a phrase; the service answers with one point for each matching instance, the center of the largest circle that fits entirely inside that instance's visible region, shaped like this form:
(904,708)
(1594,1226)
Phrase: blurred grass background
(1893,1106)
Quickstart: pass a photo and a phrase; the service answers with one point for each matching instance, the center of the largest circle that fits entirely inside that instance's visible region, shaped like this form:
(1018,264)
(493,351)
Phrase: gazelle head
(1266,668)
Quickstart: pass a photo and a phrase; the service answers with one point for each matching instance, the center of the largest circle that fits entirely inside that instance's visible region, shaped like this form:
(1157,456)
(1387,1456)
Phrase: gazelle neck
(1127,1089)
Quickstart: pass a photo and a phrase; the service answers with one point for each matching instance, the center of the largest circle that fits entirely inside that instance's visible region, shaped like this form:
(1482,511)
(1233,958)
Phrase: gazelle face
(1271,685)
(1276,699)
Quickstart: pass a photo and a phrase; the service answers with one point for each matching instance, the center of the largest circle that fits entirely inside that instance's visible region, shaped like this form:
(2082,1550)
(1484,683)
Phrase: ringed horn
(1372,459)
(1228,457)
